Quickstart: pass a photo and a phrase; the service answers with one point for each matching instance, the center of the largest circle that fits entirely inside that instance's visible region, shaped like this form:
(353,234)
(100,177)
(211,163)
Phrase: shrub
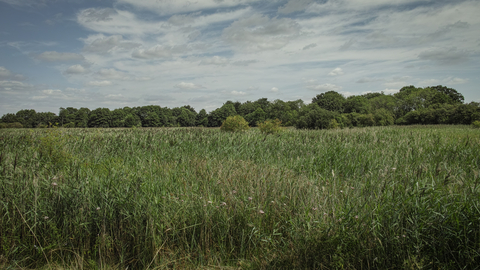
(234,123)
(476,124)
(270,126)
(69,125)
(14,125)
(3,125)
(333,124)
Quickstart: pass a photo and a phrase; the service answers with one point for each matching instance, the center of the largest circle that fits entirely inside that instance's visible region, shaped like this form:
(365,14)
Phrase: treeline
(411,105)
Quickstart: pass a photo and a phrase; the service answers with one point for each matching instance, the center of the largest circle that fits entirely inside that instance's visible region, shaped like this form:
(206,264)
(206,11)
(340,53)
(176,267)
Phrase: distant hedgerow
(234,123)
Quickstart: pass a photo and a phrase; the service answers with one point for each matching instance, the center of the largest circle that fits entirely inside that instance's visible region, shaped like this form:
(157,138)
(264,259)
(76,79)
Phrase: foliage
(411,105)
(255,117)
(234,124)
(14,125)
(202,199)
(202,118)
(270,126)
(330,101)
(476,124)
(218,116)
(313,116)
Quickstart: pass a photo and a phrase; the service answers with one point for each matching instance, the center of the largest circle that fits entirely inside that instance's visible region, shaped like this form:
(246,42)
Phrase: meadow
(198,198)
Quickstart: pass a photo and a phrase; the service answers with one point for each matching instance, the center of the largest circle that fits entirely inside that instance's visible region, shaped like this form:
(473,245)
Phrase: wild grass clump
(373,198)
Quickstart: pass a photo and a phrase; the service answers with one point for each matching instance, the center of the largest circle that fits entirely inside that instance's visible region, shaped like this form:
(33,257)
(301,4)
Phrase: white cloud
(244,62)
(188,86)
(368,80)
(323,87)
(182,19)
(429,82)
(455,80)
(116,22)
(216,60)
(184,6)
(444,56)
(103,44)
(336,72)
(389,91)
(274,89)
(53,56)
(76,69)
(294,6)
(159,51)
(310,46)
(398,82)
(99,83)
(259,33)
(238,93)
(14,86)
(6,74)
(112,74)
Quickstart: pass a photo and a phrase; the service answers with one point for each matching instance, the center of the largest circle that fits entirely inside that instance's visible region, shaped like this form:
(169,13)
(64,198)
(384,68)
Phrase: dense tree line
(411,105)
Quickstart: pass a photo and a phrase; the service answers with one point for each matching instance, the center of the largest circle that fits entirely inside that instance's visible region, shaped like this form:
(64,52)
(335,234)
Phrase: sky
(118,53)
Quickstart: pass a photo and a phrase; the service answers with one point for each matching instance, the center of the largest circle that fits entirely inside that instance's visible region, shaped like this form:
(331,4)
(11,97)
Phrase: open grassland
(370,198)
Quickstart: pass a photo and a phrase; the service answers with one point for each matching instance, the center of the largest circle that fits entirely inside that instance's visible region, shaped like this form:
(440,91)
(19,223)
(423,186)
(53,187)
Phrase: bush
(69,125)
(476,124)
(14,125)
(333,124)
(270,126)
(234,123)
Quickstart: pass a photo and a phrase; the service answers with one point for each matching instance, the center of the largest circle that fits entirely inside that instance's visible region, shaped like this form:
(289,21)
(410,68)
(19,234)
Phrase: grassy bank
(372,198)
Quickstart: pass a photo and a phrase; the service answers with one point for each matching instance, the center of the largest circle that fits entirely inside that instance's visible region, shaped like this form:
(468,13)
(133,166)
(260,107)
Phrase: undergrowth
(373,198)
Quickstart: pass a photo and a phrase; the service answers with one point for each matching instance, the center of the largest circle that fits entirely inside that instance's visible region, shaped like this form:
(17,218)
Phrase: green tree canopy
(330,101)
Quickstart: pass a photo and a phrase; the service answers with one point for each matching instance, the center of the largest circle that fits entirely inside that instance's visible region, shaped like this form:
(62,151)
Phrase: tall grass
(373,198)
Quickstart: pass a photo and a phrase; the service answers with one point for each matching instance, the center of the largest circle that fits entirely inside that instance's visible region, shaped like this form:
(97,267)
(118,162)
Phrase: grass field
(198,198)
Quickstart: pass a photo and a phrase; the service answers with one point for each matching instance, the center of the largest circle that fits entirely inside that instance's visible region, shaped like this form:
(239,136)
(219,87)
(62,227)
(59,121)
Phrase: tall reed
(373,198)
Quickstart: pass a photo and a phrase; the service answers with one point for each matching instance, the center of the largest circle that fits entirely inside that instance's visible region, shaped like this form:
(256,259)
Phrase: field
(198,198)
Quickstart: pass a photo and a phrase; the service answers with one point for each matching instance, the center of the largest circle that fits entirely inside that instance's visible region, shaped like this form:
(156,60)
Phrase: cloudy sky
(117,53)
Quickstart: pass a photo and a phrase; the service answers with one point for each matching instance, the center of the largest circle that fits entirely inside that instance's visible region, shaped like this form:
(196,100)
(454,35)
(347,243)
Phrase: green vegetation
(476,124)
(329,110)
(369,198)
(234,124)
(270,126)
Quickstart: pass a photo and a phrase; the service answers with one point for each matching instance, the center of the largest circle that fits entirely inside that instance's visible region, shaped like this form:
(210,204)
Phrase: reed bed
(198,198)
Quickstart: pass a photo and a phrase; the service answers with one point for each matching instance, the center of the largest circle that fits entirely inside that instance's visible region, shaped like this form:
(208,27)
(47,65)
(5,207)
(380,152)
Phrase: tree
(46,119)
(27,118)
(100,117)
(67,115)
(314,117)
(216,117)
(118,118)
(357,104)
(132,120)
(81,117)
(186,118)
(202,118)
(330,101)
(9,118)
(151,120)
(257,116)
(246,108)
(382,117)
(453,96)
